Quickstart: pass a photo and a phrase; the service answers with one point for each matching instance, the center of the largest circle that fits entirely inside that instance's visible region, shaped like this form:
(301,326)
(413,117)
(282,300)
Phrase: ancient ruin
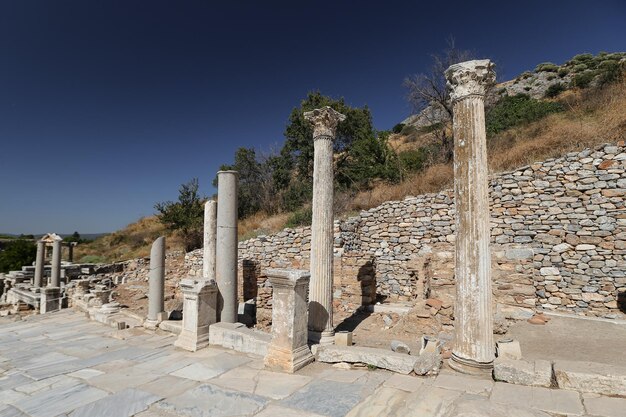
(156,309)
(474,346)
(288,350)
(321,328)
(226,246)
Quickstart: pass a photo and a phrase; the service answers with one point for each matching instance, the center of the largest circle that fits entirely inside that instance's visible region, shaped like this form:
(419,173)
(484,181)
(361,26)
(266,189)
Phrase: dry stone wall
(558,232)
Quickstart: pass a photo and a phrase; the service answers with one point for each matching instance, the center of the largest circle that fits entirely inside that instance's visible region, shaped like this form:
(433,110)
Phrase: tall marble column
(55,275)
(39,262)
(474,349)
(321,329)
(156,284)
(210,231)
(226,249)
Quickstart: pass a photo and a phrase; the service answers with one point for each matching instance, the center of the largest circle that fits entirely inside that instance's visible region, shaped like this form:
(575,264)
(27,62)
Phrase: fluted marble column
(55,274)
(210,231)
(39,262)
(474,349)
(227,245)
(321,329)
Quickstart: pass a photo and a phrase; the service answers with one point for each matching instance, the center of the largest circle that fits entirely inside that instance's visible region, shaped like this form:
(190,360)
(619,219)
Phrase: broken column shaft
(473,351)
(39,264)
(210,230)
(55,275)
(321,329)
(156,283)
(226,249)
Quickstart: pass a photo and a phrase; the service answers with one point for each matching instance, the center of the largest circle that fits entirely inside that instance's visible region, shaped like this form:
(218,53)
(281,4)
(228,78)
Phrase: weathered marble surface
(82,371)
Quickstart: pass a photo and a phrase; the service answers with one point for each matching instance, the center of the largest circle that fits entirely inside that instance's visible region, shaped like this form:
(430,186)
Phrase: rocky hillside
(547,80)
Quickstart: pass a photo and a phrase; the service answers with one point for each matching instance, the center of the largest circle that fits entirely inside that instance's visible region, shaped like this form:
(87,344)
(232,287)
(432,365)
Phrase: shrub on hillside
(583,79)
(516,110)
(547,67)
(413,160)
(554,90)
(301,217)
(397,128)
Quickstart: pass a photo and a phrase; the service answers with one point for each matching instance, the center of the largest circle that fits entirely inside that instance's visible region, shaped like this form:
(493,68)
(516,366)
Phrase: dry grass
(260,224)
(592,118)
(134,241)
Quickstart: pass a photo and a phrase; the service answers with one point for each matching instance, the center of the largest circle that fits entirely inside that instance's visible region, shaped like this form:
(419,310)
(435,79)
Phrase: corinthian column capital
(470,78)
(324,121)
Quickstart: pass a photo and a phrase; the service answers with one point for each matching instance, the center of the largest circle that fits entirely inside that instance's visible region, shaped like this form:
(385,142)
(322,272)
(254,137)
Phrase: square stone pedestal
(288,350)
(199,312)
(50,300)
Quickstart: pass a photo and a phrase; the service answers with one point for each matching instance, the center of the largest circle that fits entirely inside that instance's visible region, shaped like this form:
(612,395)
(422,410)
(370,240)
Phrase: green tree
(75,237)
(298,146)
(367,159)
(184,216)
(17,254)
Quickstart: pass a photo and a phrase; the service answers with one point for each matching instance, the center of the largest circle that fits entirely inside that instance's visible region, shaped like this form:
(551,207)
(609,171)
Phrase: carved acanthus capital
(470,78)
(324,121)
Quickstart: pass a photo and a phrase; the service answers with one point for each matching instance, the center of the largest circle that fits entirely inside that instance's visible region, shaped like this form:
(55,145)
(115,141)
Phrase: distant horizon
(107,108)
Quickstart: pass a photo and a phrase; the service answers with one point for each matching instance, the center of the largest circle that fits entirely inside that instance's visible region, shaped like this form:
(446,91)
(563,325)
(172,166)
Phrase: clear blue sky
(106,107)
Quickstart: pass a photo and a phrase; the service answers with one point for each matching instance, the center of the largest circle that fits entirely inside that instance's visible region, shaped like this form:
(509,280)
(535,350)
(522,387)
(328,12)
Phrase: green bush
(301,217)
(583,79)
(554,90)
(398,128)
(563,72)
(16,254)
(517,110)
(547,67)
(413,160)
(582,58)
(610,71)
(580,68)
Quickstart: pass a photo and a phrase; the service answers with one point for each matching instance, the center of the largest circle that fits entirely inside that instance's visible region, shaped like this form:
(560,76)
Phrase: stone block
(199,312)
(429,344)
(536,373)
(400,347)
(238,337)
(508,349)
(343,338)
(381,358)
(50,300)
(288,350)
(592,377)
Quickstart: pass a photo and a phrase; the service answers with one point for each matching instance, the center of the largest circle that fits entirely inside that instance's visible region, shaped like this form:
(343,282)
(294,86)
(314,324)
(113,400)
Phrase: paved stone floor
(61,364)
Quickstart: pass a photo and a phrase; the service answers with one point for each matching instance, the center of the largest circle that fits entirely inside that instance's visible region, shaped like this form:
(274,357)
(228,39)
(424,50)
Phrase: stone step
(592,377)
(381,358)
(238,337)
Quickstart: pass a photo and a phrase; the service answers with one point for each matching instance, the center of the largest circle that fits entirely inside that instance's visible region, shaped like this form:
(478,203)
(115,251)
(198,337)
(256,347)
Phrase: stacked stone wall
(558,231)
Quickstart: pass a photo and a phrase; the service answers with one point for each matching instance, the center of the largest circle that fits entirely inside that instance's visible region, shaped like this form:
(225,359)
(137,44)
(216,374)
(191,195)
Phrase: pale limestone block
(288,350)
(199,312)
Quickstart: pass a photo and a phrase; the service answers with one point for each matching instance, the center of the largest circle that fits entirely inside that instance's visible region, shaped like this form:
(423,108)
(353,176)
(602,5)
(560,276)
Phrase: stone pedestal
(39,262)
(50,300)
(288,350)
(199,312)
(210,234)
(55,274)
(227,246)
(321,329)
(473,351)
(156,283)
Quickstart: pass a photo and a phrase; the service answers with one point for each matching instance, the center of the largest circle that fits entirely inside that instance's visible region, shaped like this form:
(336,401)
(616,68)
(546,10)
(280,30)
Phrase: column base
(326,337)
(153,324)
(469,366)
(287,360)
